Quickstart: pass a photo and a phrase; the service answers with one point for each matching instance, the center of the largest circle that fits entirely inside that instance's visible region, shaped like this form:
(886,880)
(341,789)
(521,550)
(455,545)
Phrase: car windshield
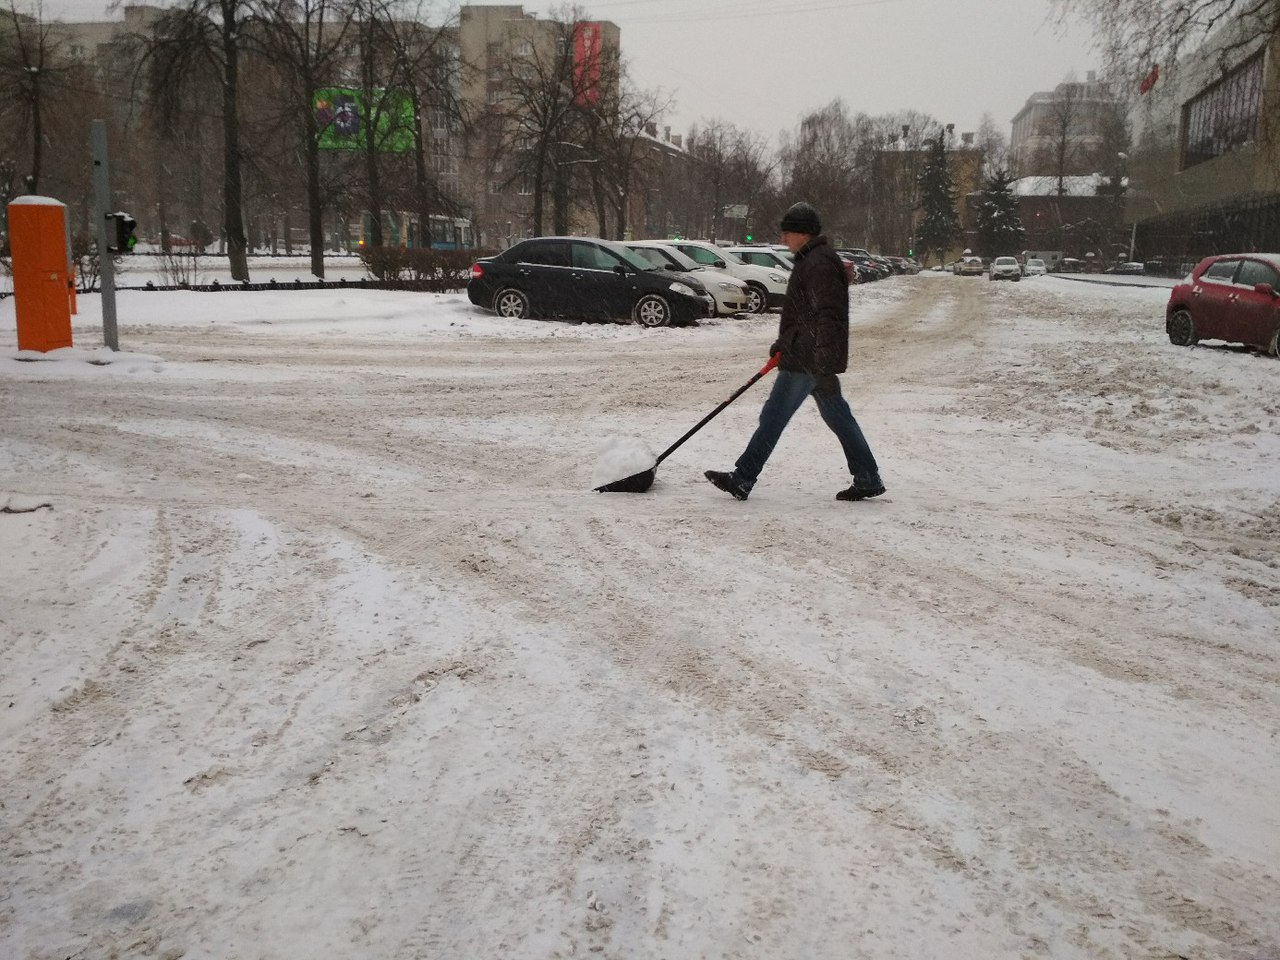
(1006,261)
(627,255)
(1035,263)
(728,257)
(680,257)
(652,255)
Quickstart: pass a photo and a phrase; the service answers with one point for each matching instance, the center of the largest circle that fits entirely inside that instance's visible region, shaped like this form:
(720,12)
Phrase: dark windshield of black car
(652,256)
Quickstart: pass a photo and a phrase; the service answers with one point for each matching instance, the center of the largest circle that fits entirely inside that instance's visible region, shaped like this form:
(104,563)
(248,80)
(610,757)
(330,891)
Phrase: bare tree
(200,43)
(820,165)
(427,70)
(305,41)
(994,144)
(28,58)
(1059,126)
(899,142)
(545,113)
(729,167)
(1140,34)
(615,125)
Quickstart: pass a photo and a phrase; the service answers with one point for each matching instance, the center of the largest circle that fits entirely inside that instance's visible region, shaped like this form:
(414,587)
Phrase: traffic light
(748,238)
(120,227)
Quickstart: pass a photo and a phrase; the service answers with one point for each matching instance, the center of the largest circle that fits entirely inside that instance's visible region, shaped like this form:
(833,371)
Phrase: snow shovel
(642,481)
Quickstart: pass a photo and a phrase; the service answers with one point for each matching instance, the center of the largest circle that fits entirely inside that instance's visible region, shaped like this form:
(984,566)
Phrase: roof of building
(1086,186)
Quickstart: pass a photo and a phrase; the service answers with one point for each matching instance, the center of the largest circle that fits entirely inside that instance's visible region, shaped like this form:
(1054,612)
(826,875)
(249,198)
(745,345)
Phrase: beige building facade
(1204,174)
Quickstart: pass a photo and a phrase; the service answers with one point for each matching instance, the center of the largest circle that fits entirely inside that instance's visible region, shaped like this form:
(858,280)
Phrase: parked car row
(728,293)
(867,266)
(655,283)
(766,286)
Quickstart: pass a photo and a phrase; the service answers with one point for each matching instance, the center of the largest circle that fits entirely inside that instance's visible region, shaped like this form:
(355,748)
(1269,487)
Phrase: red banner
(1150,79)
(586,64)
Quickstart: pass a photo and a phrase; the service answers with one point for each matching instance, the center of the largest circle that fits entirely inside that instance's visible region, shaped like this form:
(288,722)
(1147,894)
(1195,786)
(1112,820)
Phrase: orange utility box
(41,273)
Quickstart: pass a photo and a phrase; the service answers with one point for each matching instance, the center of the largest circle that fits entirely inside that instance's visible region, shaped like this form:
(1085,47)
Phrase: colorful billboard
(342,117)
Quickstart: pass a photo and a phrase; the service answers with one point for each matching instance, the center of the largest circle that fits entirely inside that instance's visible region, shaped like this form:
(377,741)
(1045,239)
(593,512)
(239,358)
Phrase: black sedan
(581,278)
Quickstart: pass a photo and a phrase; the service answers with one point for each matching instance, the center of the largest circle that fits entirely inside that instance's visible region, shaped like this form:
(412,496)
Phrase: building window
(1224,117)
(526,185)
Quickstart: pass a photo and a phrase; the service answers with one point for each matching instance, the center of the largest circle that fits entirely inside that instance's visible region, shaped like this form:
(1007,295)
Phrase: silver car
(729,293)
(1005,268)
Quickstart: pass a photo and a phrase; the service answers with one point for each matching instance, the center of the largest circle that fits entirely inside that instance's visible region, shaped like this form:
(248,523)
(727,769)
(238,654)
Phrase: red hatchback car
(1234,297)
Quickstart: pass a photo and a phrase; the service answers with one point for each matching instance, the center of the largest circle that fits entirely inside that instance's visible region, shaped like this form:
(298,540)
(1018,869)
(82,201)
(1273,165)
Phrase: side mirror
(1266,289)
(620,270)
(720,264)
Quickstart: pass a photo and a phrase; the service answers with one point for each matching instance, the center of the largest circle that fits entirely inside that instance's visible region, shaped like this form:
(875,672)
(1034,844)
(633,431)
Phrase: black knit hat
(801,218)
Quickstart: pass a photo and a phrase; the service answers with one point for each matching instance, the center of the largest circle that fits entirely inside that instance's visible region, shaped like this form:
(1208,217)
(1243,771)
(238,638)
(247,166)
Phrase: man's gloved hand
(776,348)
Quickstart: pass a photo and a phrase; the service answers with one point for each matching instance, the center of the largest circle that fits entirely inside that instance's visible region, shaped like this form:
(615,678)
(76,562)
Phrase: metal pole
(106,265)
(1133,239)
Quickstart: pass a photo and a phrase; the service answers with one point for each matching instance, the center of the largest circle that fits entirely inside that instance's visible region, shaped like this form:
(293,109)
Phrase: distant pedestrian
(813,340)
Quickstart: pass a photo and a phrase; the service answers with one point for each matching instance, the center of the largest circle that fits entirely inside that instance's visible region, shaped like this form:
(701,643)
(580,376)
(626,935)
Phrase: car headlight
(777,279)
(730,287)
(681,289)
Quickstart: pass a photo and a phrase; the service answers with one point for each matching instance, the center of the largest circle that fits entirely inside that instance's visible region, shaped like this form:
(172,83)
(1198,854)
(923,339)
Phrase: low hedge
(442,269)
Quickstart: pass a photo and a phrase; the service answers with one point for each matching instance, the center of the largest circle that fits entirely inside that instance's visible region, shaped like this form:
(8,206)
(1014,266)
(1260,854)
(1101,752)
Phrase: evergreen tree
(1000,230)
(939,224)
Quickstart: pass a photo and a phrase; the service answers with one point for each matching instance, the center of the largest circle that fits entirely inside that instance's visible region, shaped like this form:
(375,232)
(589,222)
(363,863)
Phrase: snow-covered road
(322,645)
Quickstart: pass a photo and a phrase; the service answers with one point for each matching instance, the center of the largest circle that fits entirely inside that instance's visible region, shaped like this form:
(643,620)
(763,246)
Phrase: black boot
(726,483)
(856,492)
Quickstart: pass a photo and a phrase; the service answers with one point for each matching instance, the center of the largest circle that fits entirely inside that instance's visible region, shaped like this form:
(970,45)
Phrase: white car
(729,293)
(1035,268)
(1005,268)
(764,257)
(766,288)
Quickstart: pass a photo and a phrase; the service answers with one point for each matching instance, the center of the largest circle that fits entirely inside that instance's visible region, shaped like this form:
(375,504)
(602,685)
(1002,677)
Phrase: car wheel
(512,303)
(652,311)
(757,299)
(1182,329)
(1274,347)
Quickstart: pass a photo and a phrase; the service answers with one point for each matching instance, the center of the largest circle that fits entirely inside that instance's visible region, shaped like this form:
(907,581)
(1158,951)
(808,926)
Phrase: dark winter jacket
(813,334)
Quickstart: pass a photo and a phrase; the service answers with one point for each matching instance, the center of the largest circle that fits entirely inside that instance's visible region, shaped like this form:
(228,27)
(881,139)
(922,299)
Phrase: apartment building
(507,52)
(1072,130)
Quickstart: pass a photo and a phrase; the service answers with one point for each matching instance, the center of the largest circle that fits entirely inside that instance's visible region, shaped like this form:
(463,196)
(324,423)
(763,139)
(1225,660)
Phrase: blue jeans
(790,388)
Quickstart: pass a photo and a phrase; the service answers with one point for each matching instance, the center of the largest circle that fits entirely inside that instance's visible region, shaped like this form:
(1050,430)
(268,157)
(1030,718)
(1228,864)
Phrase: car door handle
(522,273)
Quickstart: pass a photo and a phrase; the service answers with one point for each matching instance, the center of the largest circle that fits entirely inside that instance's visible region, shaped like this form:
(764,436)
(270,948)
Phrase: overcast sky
(762,64)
